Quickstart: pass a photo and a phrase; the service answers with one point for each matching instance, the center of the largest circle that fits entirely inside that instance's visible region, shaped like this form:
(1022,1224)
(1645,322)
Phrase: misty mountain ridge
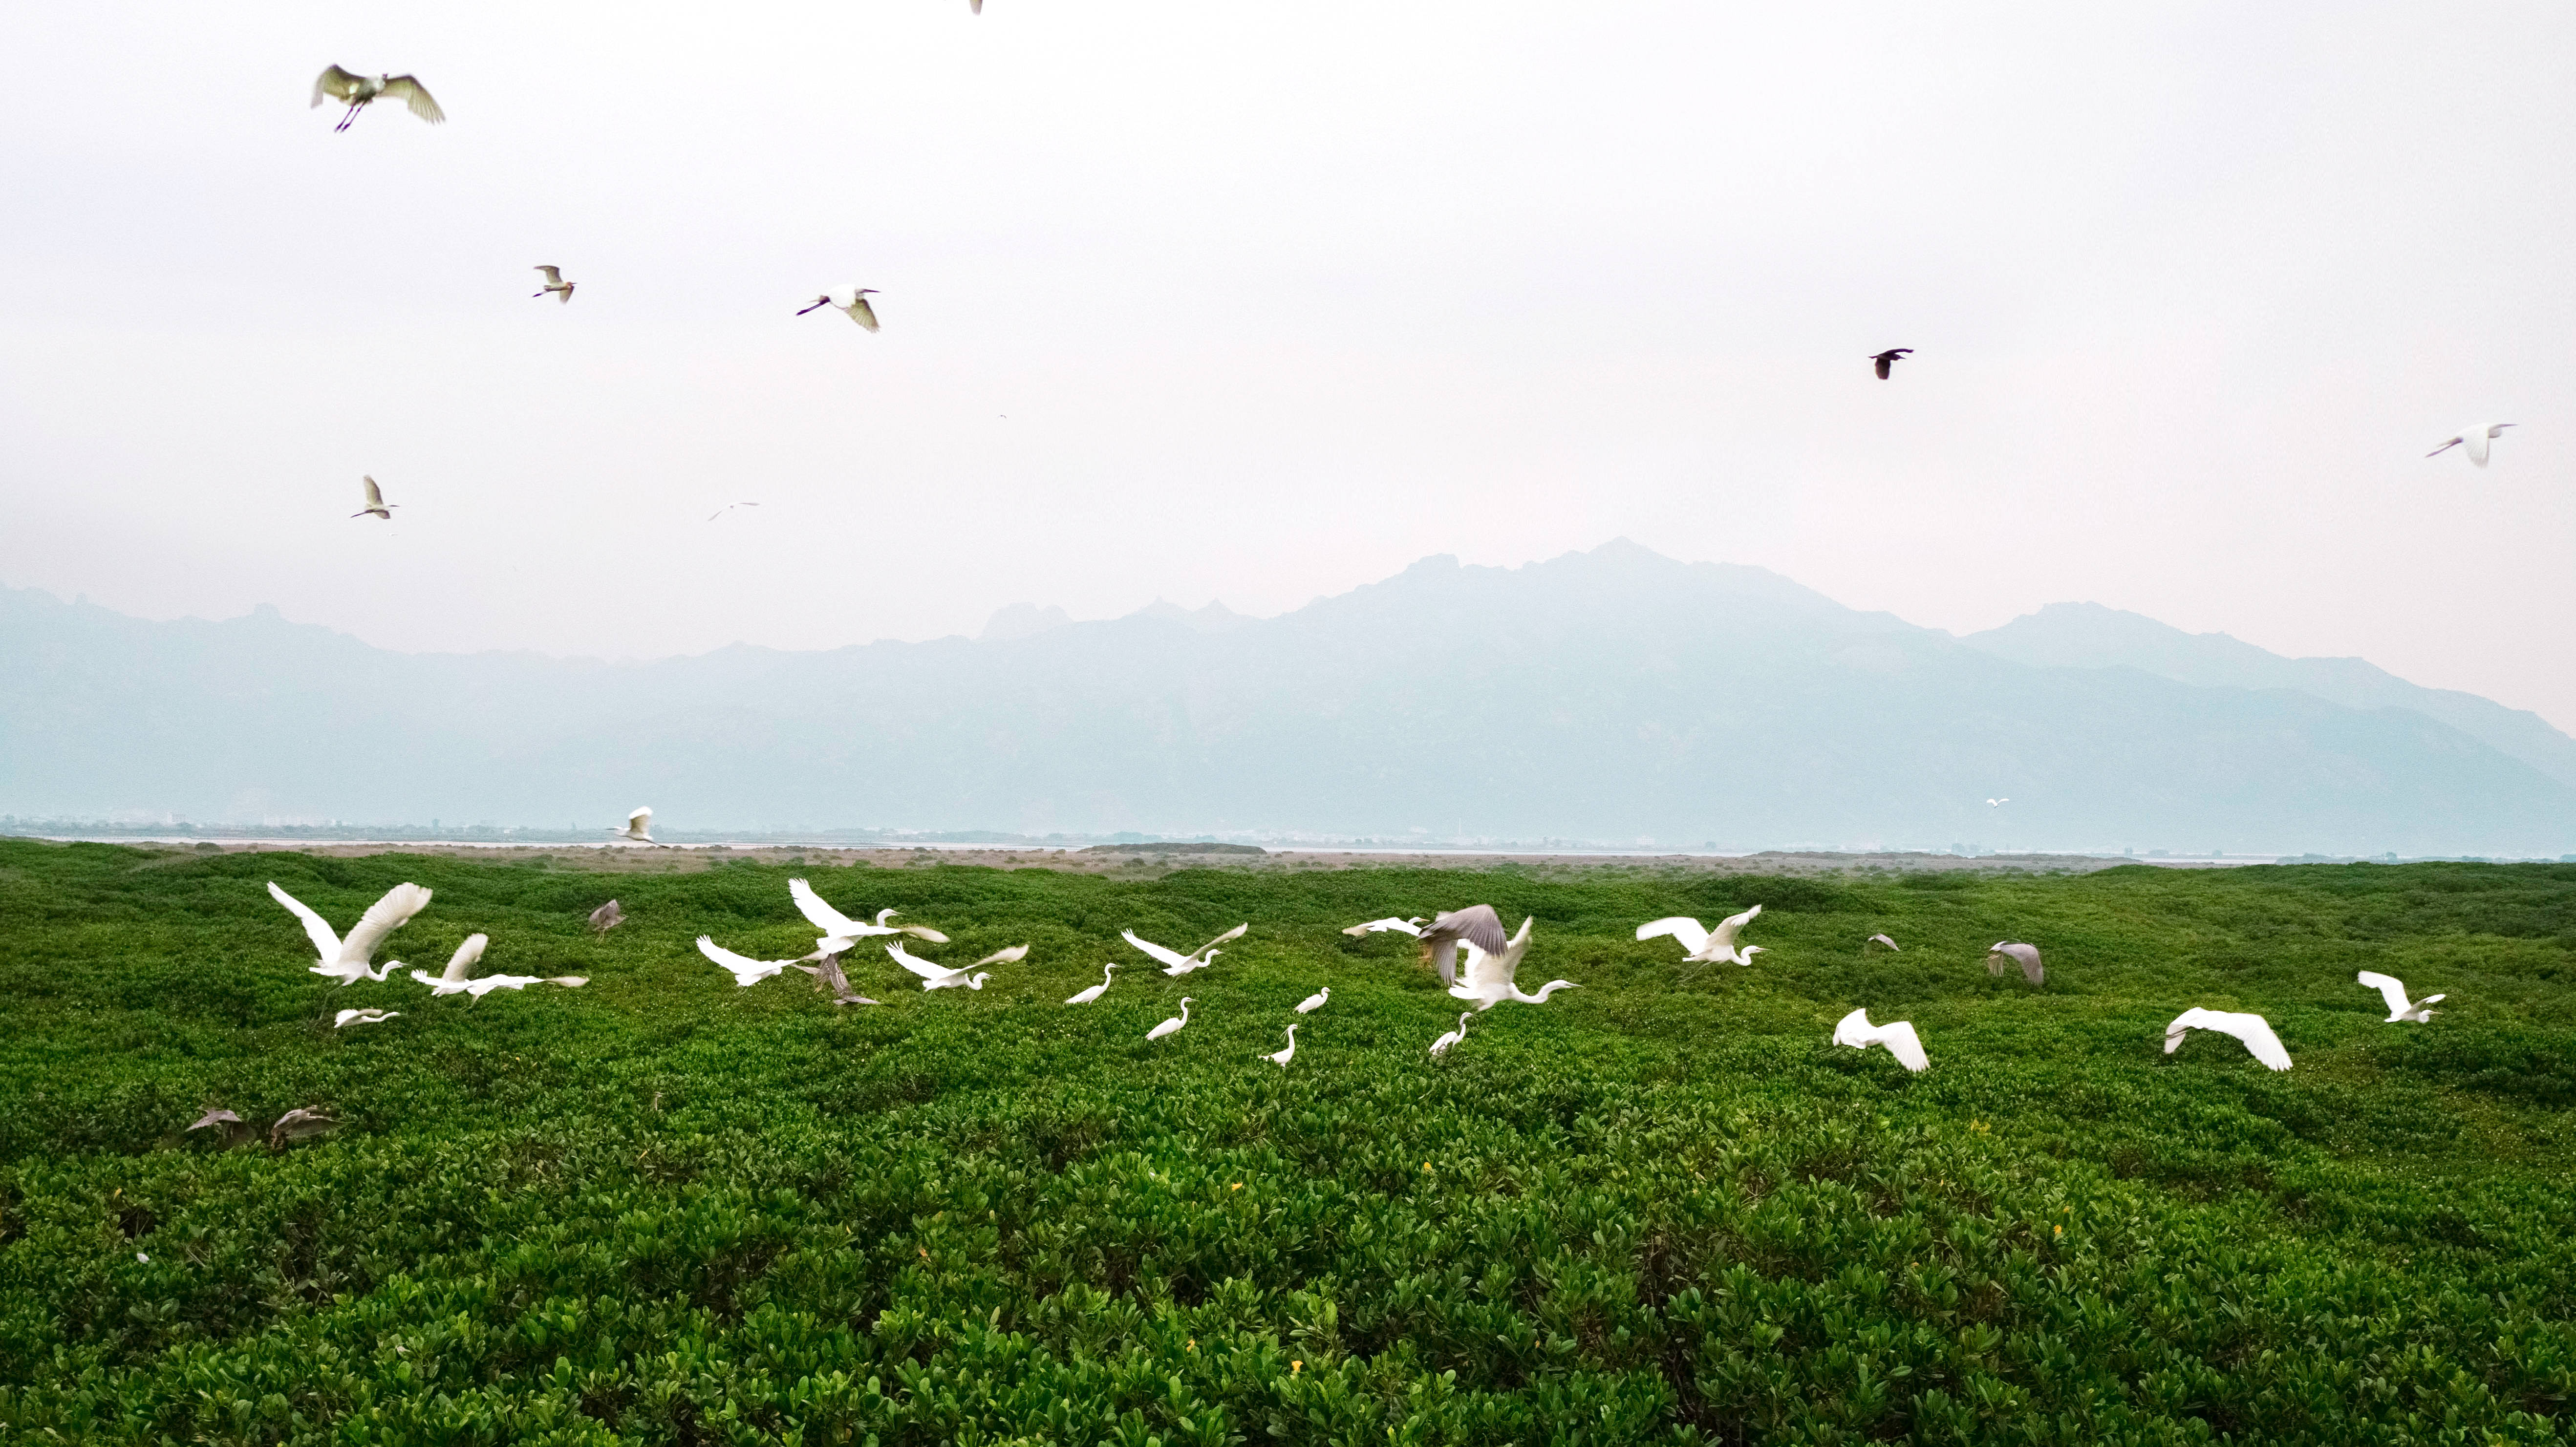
(1610,695)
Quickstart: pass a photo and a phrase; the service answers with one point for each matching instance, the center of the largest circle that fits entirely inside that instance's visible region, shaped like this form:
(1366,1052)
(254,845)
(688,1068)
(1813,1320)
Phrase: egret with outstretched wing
(2393,990)
(346,960)
(2253,1030)
(1706,946)
(1897,1036)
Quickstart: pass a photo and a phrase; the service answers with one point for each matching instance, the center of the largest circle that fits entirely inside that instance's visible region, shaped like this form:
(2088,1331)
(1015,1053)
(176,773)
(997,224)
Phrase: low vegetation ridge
(1661,1207)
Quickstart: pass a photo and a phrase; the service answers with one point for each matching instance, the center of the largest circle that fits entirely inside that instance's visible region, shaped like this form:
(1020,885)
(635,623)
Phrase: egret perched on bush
(556,286)
(2002,955)
(858,310)
(1281,1058)
(2474,440)
(1391,924)
(1706,946)
(2393,990)
(360,91)
(639,827)
(942,977)
(1315,1001)
(1085,997)
(1441,1046)
(1898,1036)
(1177,963)
(376,504)
(362,1017)
(840,931)
(1173,1024)
(346,960)
(746,971)
(1488,978)
(2254,1030)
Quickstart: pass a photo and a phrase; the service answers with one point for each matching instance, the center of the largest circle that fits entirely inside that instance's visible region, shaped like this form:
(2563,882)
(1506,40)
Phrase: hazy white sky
(1279,298)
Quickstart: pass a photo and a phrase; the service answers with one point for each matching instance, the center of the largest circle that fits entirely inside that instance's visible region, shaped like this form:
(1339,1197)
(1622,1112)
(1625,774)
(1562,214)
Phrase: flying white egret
(2393,990)
(1477,924)
(605,918)
(1881,940)
(828,977)
(858,310)
(1411,927)
(2254,1030)
(1176,963)
(942,977)
(840,931)
(360,91)
(1441,1046)
(459,979)
(1897,1035)
(1173,1024)
(555,285)
(1997,803)
(2474,440)
(362,1017)
(1315,1001)
(2004,954)
(376,504)
(1706,946)
(1281,1058)
(1085,997)
(746,971)
(346,960)
(1889,358)
(1487,978)
(639,827)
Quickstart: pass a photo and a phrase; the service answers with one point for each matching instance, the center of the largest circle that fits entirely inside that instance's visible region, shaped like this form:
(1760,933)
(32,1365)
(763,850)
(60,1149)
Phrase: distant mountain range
(1609,696)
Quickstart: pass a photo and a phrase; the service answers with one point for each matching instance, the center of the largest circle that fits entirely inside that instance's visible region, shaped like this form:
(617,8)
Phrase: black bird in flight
(1888,358)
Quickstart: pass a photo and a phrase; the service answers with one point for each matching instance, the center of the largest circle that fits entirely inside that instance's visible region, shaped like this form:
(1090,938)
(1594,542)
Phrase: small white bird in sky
(555,285)
(1281,1058)
(1881,940)
(376,504)
(840,931)
(858,310)
(1173,1024)
(639,828)
(362,1017)
(1441,1046)
(1705,946)
(746,971)
(942,977)
(1487,979)
(2474,440)
(1315,1001)
(2254,1030)
(1085,997)
(2393,990)
(1997,803)
(361,91)
(1390,924)
(2004,954)
(1898,1036)
(728,507)
(346,960)
(1176,963)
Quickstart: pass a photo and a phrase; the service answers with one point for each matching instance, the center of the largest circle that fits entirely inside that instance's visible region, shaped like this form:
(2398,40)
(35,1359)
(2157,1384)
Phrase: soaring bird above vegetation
(1707,946)
(2474,440)
(1855,1031)
(1173,1024)
(1477,925)
(298,1125)
(746,971)
(1488,981)
(840,931)
(1881,940)
(346,960)
(858,310)
(942,977)
(555,284)
(362,1017)
(605,918)
(2393,990)
(2004,954)
(639,827)
(361,91)
(2254,1030)
(1176,963)
(1390,924)
(1887,360)
(376,504)
(1085,997)
(459,978)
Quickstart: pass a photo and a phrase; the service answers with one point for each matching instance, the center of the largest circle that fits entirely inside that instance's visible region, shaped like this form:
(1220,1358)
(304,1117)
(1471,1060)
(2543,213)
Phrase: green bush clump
(1660,1208)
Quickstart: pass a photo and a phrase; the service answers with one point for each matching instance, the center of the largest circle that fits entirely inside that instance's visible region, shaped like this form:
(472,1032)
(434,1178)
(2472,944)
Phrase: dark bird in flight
(1477,924)
(1887,359)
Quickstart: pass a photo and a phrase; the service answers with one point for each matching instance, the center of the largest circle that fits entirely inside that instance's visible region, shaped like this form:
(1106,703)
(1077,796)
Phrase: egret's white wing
(921,967)
(746,971)
(1483,974)
(554,277)
(1680,927)
(336,83)
(362,1017)
(2257,1034)
(643,817)
(1378,926)
(381,919)
(325,943)
(1235,933)
(462,962)
(2479,447)
(862,313)
(1167,956)
(375,495)
(1729,927)
(2390,988)
(1901,1041)
(411,93)
(821,915)
(1011,956)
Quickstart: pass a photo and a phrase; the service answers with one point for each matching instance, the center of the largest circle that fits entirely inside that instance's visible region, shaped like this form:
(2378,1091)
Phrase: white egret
(1889,358)
(362,1017)
(360,91)
(639,827)
(1488,980)
(1315,1001)
(1477,924)
(1085,997)
(376,504)
(2393,990)
(2474,440)
(1881,940)
(1898,1036)
(2004,954)
(858,310)
(942,977)
(1441,1046)
(1997,803)
(1706,946)
(828,977)
(840,931)
(1176,963)
(555,285)
(2254,1030)
(346,960)
(746,971)
(458,978)
(1173,1024)
(605,918)
(1390,924)
(1281,1058)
